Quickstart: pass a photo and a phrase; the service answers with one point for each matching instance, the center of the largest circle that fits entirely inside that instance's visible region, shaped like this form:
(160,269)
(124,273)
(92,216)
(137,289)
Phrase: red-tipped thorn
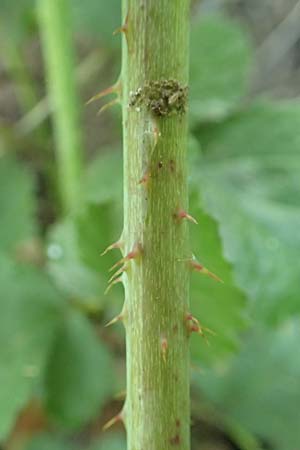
(114,89)
(113,246)
(181,214)
(131,255)
(199,268)
(164,348)
(113,283)
(113,421)
(114,320)
(193,326)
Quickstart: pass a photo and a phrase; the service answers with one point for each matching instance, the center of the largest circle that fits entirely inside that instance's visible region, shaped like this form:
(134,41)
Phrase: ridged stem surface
(154,95)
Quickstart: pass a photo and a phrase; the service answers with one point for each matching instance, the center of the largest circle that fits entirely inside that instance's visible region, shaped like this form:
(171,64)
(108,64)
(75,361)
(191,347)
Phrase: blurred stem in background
(86,69)
(55,26)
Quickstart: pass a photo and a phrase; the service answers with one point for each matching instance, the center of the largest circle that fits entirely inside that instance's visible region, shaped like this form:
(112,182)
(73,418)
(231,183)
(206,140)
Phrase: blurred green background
(62,373)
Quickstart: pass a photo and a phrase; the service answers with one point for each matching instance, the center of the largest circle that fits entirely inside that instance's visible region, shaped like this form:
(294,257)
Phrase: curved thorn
(117,244)
(212,275)
(116,281)
(123,28)
(131,255)
(114,320)
(200,268)
(208,330)
(119,272)
(112,421)
(181,214)
(114,89)
(118,263)
(193,325)
(108,105)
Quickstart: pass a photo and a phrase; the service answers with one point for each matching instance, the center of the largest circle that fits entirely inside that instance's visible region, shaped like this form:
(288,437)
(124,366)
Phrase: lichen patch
(163,98)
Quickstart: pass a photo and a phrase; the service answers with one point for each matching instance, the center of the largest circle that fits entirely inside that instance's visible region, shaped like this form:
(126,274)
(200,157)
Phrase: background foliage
(61,370)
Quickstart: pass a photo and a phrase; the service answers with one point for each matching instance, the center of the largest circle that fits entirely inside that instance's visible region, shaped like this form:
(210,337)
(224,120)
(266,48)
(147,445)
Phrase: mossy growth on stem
(162,97)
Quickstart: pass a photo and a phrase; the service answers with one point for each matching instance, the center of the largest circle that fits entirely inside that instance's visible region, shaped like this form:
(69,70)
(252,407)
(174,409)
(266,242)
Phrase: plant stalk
(155,236)
(55,26)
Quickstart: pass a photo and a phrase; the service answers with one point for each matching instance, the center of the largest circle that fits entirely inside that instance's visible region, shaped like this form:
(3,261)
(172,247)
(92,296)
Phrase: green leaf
(74,252)
(220,60)
(98,20)
(79,376)
(110,443)
(248,175)
(31,311)
(48,442)
(17,204)
(259,389)
(220,307)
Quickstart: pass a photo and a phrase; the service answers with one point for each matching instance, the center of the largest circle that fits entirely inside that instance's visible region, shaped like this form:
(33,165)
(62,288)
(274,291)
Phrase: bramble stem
(154,85)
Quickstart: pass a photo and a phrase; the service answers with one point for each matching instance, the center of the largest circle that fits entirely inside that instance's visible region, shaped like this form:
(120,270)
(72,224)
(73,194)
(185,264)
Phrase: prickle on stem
(116,319)
(108,105)
(181,214)
(113,283)
(113,421)
(193,326)
(134,254)
(114,89)
(115,245)
(118,273)
(195,265)
(123,28)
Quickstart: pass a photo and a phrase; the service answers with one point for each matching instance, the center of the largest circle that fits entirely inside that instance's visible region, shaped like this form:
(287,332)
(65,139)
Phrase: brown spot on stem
(160,165)
(145,179)
(177,423)
(175,440)
(172,165)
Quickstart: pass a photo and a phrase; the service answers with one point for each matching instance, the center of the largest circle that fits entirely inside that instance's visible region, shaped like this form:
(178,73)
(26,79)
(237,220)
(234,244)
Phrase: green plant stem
(155,49)
(55,26)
